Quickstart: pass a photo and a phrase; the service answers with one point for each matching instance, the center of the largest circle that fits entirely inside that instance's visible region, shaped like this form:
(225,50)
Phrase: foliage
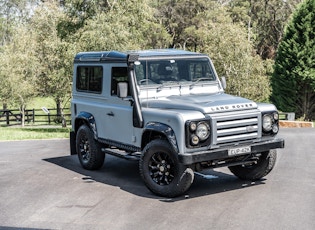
(178,15)
(17,70)
(265,21)
(54,55)
(77,12)
(208,28)
(12,12)
(40,38)
(125,25)
(293,81)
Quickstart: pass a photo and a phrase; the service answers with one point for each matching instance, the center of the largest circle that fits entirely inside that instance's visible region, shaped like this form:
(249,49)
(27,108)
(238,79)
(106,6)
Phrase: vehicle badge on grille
(250,128)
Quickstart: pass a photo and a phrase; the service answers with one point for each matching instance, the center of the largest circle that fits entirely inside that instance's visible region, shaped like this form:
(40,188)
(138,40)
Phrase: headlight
(267,123)
(270,123)
(203,131)
(198,133)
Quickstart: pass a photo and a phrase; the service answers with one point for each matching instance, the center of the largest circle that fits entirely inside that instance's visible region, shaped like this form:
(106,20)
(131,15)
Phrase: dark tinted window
(119,74)
(90,78)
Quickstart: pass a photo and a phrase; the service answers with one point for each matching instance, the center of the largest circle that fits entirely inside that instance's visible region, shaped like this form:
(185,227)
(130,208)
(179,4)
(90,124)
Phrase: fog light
(194,140)
(193,126)
(275,129)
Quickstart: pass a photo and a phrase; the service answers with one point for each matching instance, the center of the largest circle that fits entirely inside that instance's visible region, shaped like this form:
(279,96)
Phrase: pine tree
(293,80)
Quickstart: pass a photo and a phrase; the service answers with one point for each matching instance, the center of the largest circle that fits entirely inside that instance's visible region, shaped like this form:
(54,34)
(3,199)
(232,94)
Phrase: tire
(89,151)
(264,165)
(161,171)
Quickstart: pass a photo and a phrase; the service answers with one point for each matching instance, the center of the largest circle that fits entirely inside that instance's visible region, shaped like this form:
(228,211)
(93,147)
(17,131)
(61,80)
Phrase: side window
(119,74)
(89,79)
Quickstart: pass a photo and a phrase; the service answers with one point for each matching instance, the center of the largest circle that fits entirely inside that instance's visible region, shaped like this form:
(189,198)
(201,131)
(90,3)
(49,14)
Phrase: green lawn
(38,130)
(32,132)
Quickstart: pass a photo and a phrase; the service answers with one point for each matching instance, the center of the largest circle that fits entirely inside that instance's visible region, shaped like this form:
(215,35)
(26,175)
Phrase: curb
(296,124)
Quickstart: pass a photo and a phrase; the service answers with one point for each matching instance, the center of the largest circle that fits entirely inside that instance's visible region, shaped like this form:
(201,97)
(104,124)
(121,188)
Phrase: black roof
(116,56)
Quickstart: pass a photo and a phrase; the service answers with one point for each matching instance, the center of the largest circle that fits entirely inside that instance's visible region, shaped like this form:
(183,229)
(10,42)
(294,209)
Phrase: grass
(39,130)
(32,132)
(39,102)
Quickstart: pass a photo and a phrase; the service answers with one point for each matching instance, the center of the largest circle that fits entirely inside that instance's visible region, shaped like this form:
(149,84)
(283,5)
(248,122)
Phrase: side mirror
(223,82)
(122,89)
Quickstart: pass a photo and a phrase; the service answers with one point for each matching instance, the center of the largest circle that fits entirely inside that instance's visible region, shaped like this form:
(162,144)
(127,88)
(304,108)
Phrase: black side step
(135,156)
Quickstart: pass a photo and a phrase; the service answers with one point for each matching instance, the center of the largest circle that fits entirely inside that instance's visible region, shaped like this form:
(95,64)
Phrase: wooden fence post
(33,118)
(7,117)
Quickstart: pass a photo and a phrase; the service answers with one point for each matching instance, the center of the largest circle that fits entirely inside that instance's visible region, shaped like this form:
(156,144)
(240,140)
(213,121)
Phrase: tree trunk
(58,105)
(22,110)
(60,115)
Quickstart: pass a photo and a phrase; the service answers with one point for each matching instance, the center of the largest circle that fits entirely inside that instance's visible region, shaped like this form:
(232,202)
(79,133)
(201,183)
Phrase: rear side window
(89,79)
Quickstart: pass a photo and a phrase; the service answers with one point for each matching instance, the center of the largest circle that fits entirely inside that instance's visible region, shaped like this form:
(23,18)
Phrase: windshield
(152,72)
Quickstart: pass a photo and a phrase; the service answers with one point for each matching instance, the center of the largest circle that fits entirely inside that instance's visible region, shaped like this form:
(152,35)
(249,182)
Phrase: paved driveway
(42,186)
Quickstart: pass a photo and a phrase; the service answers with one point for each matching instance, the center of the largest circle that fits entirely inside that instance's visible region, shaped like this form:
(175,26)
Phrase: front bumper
(222,153)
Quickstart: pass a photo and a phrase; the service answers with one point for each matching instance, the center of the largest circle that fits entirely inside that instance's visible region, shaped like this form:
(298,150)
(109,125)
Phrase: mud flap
(73,150)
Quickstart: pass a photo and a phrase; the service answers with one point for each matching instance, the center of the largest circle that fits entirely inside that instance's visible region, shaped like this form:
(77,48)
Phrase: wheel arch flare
(154,130)
(88,119)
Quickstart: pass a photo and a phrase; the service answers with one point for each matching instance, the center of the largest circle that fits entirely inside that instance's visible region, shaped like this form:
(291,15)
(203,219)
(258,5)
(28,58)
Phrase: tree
(293,80)
(234,58)
(13,16)
(177,15)
(208,28)
(13,12)
(265,21)
(77,12)
(54,55)
(18,70)
(124,25)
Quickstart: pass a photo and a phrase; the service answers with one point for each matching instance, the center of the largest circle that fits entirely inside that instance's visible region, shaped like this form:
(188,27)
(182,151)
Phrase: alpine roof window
(90,79)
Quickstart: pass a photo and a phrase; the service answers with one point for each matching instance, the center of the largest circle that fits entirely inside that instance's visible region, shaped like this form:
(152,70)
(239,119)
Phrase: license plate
(240,150)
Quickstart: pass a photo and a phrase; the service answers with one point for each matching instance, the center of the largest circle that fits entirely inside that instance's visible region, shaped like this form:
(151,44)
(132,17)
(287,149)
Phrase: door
(118,125)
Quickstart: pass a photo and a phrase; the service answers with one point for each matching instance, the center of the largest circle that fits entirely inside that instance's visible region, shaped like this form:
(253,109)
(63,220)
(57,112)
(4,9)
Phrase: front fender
(153,128)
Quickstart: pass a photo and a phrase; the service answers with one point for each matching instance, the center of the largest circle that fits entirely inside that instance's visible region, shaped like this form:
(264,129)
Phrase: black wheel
(89,151)
(264,165)
(161,171)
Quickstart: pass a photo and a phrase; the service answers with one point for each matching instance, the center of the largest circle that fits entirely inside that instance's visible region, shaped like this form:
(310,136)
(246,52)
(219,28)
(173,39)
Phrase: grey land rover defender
(167,108)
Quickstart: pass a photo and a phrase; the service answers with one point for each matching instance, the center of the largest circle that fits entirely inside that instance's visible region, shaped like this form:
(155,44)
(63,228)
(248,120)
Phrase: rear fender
(88,119)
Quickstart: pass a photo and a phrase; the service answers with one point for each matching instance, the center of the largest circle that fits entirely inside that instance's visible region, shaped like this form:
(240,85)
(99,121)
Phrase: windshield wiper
(202,79)
(167,84)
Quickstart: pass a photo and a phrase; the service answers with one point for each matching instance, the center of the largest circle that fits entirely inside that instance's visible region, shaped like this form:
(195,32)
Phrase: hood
(215,103)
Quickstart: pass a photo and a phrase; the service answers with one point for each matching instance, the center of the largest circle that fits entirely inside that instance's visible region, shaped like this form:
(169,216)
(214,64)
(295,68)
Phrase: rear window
(89,79)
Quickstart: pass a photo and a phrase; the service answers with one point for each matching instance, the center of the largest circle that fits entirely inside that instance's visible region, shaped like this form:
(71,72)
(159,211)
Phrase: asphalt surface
(43,187)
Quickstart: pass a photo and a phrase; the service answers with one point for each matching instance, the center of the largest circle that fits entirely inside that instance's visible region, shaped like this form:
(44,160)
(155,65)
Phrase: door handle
(110,114)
